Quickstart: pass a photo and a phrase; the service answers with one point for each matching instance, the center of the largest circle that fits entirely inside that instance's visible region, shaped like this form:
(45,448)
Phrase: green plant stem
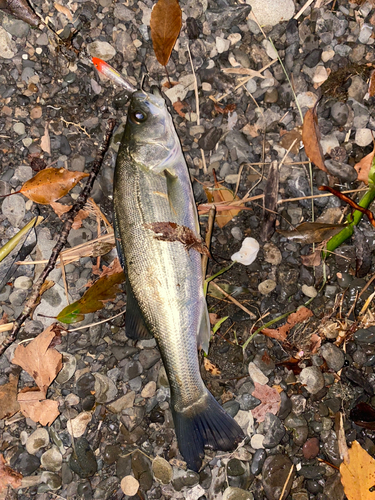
(266,325)
(354,220)
(13,242)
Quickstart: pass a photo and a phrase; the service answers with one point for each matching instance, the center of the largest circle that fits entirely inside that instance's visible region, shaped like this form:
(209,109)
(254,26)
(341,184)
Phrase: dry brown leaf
(210,367)
(165,24)
(39,360)
(179,106)
(44,411)
(315,342)
(220,194)
(311,139)
(45,141)
(51,184)
(363,167)
(312,232)
(312,260)
(293,136)
(270,401)
(8,476)
(61,209)
(293,319)
(170,231)
(358,474)
(213,318)
(8,397)
(64,10)
(371,88)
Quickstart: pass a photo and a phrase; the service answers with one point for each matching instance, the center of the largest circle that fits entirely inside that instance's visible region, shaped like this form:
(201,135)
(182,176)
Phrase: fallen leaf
(220,194)
(312,260)
(8,397)
(315,342)
(270,401)
(229,108)
(51,184)
(169,85)
(311,139)
(165,24)
(213,318)
(8,476)
(312,232)
(289,137)
(104,289)
(181,108)
(34,405)
(39,360)
(210,367)
(293,319)
(358,474)
(363,415)
(114,268)
(371,88)
(363,167)
(61,209)
(64,10)
(45,141)
(21,10)
(170,231)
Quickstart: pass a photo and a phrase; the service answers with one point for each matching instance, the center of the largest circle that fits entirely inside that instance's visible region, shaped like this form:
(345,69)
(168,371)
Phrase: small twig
(350,202)
(238,304)
(97,322)
(64,278)
(286,482)
(286,200)
(303,8)
(210,226)
(69,219)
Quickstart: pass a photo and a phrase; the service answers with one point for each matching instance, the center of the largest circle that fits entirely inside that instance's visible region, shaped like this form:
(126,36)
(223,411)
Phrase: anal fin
(135,326)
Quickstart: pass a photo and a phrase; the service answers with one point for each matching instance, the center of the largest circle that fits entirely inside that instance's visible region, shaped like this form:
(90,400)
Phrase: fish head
(150,136)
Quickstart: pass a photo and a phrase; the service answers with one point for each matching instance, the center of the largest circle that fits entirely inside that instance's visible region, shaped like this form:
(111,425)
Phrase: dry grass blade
(165,24)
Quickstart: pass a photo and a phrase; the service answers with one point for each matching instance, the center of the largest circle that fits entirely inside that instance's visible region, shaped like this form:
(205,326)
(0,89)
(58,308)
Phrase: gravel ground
(115,389)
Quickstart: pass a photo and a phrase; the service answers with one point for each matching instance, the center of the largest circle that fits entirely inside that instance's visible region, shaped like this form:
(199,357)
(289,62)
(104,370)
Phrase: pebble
(245,420)
(269,13)
(365,33)
(14,209)
(256,374)
(257,462)
(342,170)
(275,472)
(68,369)
(52,481)
(103,50)
(222,45)
(131,369)
(25,463)
(269,48)
(149,389)
(232,493)
(310,449)
(105,388)
(256,441)
(23,283)
(77,426)
(333,356)
(82,461)
(363,137)
(37,440)
(51,459)
(272,254)
(267,287)
(340,113)
(312,378)
(7,46)
(129,485)
(162,470)
(122,403)
(274,431)
(178,92)
(309,291)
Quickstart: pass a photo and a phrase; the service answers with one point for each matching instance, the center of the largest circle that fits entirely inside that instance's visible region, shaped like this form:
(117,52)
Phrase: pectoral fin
(135,326)
(204,333)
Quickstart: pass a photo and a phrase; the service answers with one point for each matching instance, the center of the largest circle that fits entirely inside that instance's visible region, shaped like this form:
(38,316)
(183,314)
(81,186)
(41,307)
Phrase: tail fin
(205,423)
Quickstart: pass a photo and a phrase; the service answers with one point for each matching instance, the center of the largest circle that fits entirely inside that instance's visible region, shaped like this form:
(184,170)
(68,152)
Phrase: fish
(113,75)
(164,284)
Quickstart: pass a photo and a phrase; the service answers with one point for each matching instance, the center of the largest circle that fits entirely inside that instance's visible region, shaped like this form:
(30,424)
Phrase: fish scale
(164,280)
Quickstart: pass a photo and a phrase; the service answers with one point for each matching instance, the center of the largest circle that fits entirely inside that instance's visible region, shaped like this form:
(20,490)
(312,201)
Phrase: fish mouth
(154,97)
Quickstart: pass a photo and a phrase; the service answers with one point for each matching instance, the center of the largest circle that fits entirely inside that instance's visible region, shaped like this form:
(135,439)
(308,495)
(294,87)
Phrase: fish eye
(138,116)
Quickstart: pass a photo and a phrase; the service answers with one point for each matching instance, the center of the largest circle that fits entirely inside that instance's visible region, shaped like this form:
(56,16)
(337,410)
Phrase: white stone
(129,485)
(234,493)
(256,374)
(320,74)
(178,92)
(257,441)
(37,440)
(327,55)
(103,50)
(51,459)
(7,46)
(272,12)
(245,420)
(206,86)
(307,99)
(231,178)
(328,142)
(222,45)
(251,86)
(77,426)
(270,50)
(19,128)
(267,286)
(363,137)
(309,291)
(23,282)
(247,253)
(234,38)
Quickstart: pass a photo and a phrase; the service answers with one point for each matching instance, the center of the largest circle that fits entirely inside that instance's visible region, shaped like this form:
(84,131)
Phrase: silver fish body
(164,279)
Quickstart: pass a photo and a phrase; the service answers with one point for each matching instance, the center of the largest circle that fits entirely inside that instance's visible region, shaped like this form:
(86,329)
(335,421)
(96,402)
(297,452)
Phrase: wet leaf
(8,476)
(34,405)
(104,289)
(165,24)
(8,397)
(363,167)
(311,139)
(211,368)
(293,319)
(358,474)
(170,231)
(39,360)
(312,232)
(363,415)
(51,184)
(21,10)
(220,194)
(270,401)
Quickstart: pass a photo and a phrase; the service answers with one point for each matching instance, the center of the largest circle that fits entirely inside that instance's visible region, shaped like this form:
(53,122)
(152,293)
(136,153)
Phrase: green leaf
(105,288)
(13,242)
(218,324)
